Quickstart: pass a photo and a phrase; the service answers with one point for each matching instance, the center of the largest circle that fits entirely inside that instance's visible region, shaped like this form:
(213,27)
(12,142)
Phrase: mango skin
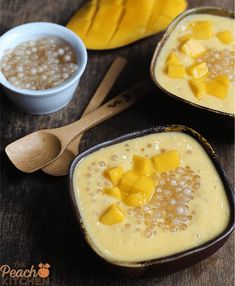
(109,24)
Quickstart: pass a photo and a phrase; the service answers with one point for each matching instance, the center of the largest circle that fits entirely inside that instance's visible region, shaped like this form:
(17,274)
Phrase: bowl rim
(160,128)
(40,28)
(199,10)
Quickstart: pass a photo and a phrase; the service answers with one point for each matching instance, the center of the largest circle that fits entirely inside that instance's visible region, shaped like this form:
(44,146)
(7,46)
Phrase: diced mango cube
(225,37)
(223,79)
(216,88)
(112,215)
(185,38)
(176,72)
(114,174)
(135,199)
(167,161)
(198,87)
(202,30)
(142,166)
(127,181)
(114,192)
(192,48)
(145,185)
(173,60)
(198,70)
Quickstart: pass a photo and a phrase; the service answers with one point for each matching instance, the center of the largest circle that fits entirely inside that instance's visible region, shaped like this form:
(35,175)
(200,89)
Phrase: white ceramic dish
(50,100)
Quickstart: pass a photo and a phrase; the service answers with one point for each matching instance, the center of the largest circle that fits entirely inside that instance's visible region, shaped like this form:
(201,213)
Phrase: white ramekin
(53,99)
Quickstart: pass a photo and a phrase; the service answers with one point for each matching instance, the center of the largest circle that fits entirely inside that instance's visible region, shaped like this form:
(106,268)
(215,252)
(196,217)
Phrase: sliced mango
(85,16)
(142,166)
(173,60)
(103,33)
(167,161)
(225,37)
(135,199)
(108,24)
(145,185)
(198,88)
(202,30)
(192,48)
(198,70)
(171,10)
(114,192)
(128,181)
(176,72)
(216,88)
(112,215)
(114,174)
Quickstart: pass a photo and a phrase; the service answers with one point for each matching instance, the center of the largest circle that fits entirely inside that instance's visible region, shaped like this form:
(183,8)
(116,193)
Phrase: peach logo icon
(43,272)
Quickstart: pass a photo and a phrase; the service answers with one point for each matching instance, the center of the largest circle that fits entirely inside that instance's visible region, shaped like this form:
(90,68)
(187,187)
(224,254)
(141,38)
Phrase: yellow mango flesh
(144,185)
(223,79)
(167,161)
(198,70)
(108,24)
(114,174)
(85,16)
(202,30)
(225,37)
(198,88)
(173,60)
(114,192)
(128,181)
(142,166)
(112,215)
(103,33)
(192,48)
(216,88)
(185,38)
(176,72)
(134,199)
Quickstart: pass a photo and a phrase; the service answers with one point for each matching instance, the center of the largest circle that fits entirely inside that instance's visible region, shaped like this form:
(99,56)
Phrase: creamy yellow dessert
(197,62)
(150,197)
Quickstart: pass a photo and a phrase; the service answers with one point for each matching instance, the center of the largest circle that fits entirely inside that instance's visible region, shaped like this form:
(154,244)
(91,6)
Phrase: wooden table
(37,223)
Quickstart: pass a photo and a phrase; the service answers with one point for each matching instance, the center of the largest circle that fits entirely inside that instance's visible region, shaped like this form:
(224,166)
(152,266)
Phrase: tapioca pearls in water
(39,64)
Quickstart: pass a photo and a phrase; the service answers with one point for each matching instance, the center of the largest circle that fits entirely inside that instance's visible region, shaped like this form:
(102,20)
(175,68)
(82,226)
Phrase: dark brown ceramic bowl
(177,261)
(201,10)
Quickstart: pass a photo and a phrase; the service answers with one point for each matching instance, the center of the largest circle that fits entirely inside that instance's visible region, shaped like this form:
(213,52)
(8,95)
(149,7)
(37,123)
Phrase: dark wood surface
(37,223)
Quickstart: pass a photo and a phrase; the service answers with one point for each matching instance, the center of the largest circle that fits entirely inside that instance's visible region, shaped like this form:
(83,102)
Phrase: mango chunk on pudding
(202,47)
(169,198)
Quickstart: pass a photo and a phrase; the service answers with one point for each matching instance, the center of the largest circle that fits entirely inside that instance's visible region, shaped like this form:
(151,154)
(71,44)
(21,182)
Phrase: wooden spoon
(59,167)
(40,148)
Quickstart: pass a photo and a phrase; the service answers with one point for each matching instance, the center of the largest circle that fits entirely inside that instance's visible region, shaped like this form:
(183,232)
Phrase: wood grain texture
(37,223)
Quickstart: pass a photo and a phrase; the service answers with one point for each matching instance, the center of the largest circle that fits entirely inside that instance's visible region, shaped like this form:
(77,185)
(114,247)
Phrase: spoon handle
(118,104)
(101,92)
(106,84)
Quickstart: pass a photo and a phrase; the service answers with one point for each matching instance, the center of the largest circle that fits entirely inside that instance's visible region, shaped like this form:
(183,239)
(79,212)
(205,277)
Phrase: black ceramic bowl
(201,10)
(177,261)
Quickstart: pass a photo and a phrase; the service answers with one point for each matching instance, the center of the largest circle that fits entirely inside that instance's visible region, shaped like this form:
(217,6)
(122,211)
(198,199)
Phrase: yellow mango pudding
(197,61)
(149,197)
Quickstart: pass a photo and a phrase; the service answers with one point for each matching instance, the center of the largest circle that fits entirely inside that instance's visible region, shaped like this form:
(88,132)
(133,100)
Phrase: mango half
(109,24)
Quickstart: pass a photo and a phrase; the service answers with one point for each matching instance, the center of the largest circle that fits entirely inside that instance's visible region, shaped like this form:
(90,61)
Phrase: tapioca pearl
(180,210)
(20,75)
(67,58)
(33,71)
(60,51)
(114,157)
(187,191)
